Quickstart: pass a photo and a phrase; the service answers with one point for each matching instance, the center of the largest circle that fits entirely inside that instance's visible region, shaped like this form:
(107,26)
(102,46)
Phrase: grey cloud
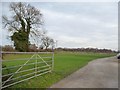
(81,24)
(97,31)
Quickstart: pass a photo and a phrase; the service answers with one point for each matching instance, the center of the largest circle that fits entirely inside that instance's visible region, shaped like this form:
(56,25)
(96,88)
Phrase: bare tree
(24,23)
(47,41)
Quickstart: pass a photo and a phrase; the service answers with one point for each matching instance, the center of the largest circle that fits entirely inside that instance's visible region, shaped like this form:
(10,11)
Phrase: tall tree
(24,23)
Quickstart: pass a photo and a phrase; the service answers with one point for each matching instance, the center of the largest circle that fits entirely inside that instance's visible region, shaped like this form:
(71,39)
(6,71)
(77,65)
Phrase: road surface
(100,73)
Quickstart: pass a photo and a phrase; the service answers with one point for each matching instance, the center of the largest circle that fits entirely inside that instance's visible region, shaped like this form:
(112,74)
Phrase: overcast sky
(77,24)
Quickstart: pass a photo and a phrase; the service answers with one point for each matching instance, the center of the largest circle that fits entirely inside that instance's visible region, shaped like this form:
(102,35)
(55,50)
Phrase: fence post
(0,70)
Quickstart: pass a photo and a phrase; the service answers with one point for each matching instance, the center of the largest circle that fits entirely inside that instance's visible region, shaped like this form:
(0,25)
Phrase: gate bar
(25,70)
(25,52)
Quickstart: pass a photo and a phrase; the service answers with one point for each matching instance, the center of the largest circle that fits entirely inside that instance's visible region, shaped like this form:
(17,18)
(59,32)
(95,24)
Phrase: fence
(23,66)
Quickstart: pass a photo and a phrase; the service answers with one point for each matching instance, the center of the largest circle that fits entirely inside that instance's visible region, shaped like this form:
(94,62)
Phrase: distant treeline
(34,48)
(87,50)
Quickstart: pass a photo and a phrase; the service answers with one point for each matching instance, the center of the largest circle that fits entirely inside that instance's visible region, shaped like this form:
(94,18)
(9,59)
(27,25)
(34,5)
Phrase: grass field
(65,63)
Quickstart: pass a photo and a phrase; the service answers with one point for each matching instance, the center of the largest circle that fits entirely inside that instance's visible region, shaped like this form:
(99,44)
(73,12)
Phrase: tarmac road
(100,73)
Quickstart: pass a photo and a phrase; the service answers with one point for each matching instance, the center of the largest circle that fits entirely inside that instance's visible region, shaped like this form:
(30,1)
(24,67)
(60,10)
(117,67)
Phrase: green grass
(65,63)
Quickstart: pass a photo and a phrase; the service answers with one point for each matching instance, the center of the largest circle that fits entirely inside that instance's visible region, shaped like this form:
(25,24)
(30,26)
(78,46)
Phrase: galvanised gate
(17,67)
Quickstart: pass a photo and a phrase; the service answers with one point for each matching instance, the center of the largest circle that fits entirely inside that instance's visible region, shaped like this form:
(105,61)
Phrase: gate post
(1,47)
(52,58)
(0,70)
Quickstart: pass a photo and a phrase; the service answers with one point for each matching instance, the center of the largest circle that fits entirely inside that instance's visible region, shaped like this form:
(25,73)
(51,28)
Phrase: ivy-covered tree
(24,23)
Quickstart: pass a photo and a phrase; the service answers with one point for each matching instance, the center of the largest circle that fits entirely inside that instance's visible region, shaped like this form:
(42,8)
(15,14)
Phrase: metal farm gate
(23,66)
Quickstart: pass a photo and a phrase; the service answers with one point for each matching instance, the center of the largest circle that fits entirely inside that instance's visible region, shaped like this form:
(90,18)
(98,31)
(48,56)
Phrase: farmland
(65,63)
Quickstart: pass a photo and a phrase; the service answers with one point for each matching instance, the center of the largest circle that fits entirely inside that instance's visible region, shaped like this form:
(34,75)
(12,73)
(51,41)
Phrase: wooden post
(0,70)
